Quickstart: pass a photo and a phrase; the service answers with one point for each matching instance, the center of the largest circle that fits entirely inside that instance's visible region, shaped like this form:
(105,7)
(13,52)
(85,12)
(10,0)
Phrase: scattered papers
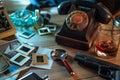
(14,70)
(14,73)
(13,77)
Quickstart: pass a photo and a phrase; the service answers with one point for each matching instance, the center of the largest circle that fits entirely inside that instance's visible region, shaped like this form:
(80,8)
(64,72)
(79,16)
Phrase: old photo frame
(27,34)
(44,31)
(39,59)
(30,76)
(4,63)
(20,59)
(25,49)
(51,27)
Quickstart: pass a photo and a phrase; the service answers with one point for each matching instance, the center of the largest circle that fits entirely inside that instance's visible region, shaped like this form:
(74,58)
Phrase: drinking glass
(107,42)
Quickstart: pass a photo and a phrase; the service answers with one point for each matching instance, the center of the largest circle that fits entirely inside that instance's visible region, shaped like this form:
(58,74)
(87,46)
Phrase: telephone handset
(81,23)
(102,12)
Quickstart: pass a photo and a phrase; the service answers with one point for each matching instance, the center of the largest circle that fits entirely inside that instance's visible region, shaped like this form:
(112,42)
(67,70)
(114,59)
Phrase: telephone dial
(81,23)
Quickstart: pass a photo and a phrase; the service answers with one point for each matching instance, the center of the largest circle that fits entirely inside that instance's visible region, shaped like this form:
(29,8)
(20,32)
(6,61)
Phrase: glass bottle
(39,20)
(1,4)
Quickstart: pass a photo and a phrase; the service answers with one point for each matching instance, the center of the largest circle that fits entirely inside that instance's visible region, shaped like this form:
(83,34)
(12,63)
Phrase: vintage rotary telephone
(80,26)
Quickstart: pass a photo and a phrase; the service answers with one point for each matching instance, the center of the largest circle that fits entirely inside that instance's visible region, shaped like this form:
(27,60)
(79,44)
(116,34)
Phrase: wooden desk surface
(58,71)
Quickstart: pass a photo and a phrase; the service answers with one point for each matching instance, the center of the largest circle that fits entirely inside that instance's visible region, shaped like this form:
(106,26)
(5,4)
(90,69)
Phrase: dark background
(112,5)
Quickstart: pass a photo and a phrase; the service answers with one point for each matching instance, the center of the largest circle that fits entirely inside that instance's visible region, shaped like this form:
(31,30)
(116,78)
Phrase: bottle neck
(1,4)
(37,13)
